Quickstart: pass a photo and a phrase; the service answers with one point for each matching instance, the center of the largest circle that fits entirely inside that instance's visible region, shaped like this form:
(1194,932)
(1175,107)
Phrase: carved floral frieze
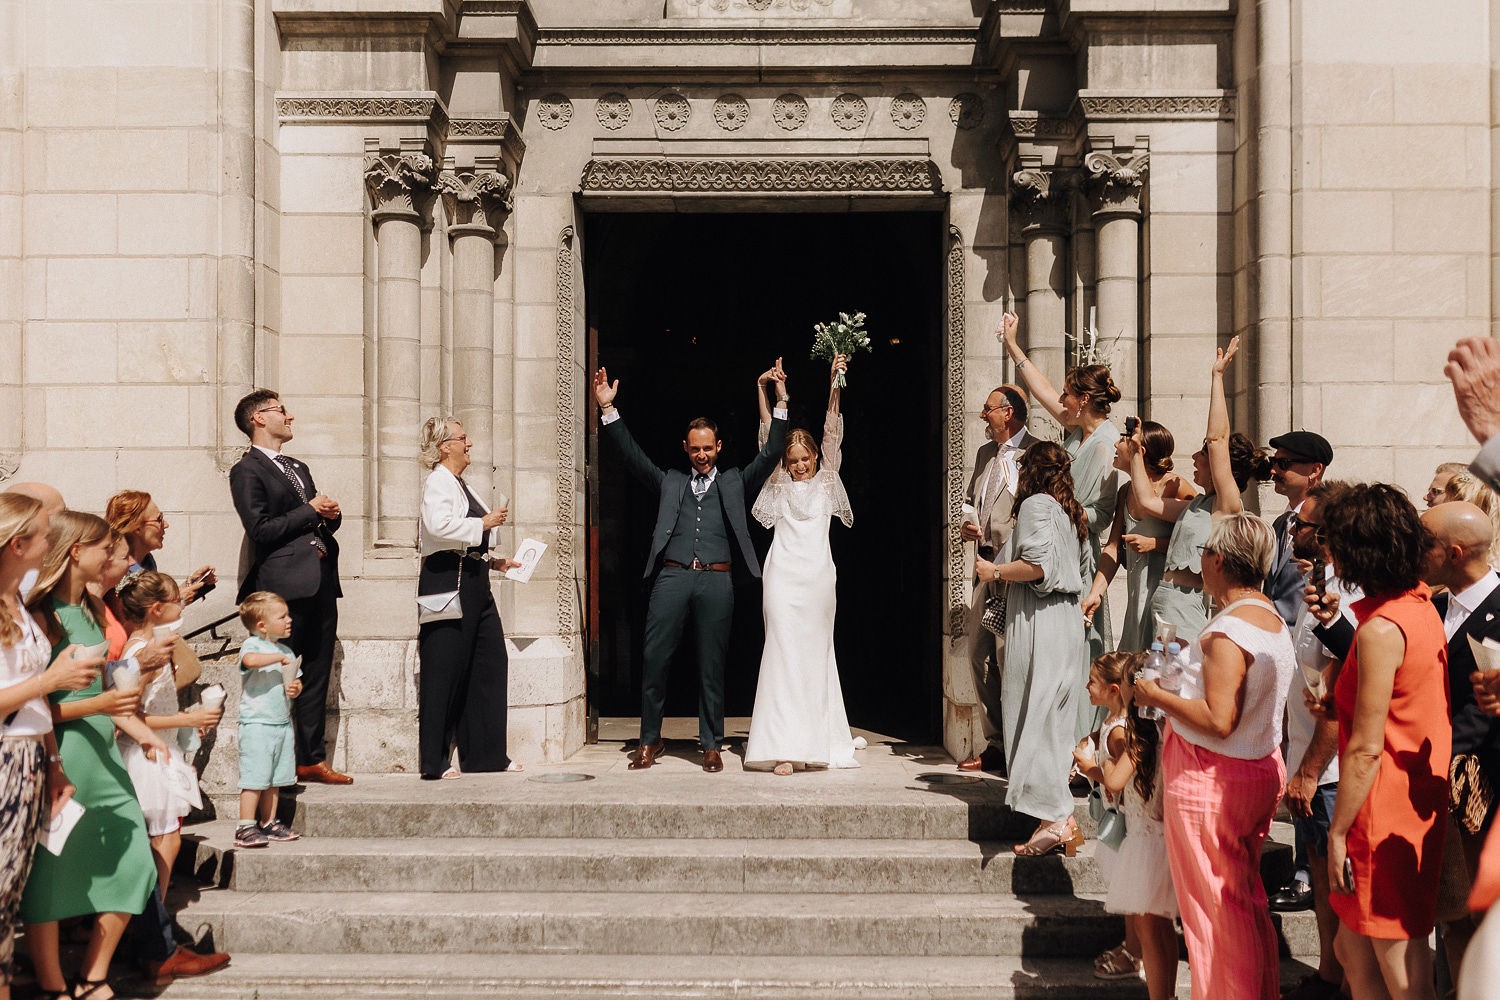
(737,175)
(789,111)
(672,112)
(849,112)
(908,111)
(731,112)
(555,111)
(613,110)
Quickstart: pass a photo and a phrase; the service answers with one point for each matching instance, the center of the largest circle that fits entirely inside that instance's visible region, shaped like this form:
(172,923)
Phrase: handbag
(1111,830)
(1097,807)
(186,666)
(1469,793)
(993,618)
(441,607)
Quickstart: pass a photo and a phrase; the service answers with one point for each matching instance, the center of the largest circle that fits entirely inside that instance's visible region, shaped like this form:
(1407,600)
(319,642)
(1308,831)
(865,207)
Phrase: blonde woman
(32,782)
(463,693)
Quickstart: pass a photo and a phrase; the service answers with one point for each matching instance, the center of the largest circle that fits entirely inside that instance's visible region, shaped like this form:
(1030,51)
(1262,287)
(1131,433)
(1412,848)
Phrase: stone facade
(375,206)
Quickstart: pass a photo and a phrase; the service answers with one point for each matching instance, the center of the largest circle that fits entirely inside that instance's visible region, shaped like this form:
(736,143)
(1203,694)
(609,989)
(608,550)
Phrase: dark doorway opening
(689,309)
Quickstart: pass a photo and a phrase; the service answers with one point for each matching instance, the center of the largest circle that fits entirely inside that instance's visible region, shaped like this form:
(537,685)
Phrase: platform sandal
(1062,837)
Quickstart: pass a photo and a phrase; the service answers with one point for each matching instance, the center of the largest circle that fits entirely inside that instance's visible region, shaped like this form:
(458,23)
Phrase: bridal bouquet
(842,336)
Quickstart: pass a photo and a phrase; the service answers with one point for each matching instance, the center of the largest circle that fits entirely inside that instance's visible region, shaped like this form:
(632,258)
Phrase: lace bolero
(823,494)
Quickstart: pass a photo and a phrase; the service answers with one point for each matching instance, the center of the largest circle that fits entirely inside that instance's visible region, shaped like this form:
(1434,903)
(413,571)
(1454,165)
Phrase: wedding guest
(84,879)
(1391,700)
(51,501)
(1297,466)
(1223,467)
(992,494)
(1457,559)
(1466,487)
(464,693)
(1043,646)
(33,785)
(1082,408)
(1144,536)
(1222,765)
(136,516)
(1437,490)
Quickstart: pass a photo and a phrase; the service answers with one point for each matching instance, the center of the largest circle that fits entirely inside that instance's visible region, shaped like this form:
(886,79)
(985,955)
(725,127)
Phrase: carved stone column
(476,199)
(1040,205)
(397,179)
(1115,184)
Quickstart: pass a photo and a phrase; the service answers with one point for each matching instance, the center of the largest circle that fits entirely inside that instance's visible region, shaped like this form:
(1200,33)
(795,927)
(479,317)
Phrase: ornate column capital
(397,178)
(1115,182)
(1039,197)
(477,198)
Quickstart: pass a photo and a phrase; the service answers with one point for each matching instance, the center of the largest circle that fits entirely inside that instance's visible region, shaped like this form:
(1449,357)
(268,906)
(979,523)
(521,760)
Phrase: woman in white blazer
(462,694)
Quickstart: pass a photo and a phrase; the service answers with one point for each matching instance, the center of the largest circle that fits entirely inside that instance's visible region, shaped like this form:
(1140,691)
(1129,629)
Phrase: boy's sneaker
(250,835)
(279,832)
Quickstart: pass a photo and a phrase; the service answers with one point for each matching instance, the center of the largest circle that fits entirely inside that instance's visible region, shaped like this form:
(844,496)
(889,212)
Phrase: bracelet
(54,758)
(1022,363)
(782,399)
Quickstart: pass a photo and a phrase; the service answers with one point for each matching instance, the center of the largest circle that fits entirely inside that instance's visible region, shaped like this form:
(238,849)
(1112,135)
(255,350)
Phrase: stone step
(590,977)
(333,864)
(624,923)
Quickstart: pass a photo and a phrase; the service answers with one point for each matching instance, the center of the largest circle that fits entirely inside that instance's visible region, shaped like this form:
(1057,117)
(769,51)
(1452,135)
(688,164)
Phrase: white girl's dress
(799,706)
(1140,881)
(1108,857)
(166,791)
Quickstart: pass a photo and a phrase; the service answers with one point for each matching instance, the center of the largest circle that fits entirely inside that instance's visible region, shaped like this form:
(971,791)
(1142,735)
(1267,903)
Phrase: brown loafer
(183,963)
(989,760)
(713,763)
(646,755)
(321,774)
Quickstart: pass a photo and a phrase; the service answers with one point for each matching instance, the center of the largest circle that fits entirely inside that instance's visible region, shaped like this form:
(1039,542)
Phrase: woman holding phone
(137,518)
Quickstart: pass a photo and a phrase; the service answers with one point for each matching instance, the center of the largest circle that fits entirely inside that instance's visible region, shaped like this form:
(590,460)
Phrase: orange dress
(1396,842)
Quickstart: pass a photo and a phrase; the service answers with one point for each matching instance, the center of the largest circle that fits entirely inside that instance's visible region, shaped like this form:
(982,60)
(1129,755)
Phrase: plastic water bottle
(1156,661)
(1171,671)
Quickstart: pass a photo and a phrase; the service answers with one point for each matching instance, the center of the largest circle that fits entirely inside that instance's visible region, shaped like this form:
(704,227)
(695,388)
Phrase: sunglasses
(1295,523)
(1283,464)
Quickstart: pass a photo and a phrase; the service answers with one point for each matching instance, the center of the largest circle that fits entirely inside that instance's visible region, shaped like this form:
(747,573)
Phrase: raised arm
(1163,507)
(770,450)
(1226,490)
(833,423)
(613,429)
(761,406)
(1037,384)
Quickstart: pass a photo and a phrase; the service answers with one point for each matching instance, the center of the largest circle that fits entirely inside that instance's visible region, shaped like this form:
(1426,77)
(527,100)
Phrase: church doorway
(686,310)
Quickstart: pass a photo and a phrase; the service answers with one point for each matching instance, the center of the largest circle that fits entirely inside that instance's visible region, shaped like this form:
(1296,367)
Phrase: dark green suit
(708,528)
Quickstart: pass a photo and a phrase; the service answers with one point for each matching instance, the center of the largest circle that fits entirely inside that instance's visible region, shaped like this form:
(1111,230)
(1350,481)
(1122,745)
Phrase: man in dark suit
(289,535)
(992,494)
(700,522)
(1297,466)
(1458,559)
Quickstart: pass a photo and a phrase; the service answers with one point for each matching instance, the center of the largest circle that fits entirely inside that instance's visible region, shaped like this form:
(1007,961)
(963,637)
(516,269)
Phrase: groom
(700,520)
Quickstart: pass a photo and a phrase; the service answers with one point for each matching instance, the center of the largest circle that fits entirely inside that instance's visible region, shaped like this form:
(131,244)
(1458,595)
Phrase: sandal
(1117,963)
(1062,837)
(515,765)
(89,987)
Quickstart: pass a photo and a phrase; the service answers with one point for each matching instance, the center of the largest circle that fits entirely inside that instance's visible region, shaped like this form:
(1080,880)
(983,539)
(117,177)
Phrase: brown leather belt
(712,567)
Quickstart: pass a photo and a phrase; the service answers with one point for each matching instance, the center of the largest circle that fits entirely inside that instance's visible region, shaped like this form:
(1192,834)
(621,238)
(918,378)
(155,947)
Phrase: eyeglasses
(987,410)
(160,521)
(459,437)
(272,409)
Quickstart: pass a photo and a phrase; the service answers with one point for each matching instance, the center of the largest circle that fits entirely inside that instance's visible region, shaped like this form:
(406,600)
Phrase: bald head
(1460,550)
(51,499)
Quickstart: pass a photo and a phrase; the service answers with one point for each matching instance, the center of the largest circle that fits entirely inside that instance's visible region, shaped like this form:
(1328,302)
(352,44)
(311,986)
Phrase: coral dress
(1396,842)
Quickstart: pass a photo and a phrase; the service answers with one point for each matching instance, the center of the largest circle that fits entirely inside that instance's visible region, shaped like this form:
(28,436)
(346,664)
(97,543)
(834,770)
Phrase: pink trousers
(1217,813)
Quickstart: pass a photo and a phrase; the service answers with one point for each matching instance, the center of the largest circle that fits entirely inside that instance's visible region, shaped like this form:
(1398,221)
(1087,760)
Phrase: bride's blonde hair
(798,436)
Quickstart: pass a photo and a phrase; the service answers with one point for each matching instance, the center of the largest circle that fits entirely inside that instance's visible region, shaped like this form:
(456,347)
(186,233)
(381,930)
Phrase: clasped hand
(325,507)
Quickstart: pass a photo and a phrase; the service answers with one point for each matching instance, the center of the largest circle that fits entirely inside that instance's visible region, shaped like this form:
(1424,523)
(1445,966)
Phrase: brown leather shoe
(183,963)
(713,763)
(321,774)
(989,760)
(646,756)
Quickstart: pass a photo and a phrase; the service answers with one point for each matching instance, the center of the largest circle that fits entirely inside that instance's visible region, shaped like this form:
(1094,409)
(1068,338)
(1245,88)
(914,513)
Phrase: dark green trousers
(707,598)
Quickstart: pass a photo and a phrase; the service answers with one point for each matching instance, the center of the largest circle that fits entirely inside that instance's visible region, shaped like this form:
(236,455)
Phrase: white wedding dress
(799,707)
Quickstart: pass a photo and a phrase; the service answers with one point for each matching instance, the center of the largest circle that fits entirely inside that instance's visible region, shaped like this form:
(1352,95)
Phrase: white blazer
(446,523)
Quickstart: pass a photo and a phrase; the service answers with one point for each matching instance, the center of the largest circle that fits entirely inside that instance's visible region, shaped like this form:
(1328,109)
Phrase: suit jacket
(733,484)
(1473,731)
(1285,583)
(446,522)
(281,530)
(995,531)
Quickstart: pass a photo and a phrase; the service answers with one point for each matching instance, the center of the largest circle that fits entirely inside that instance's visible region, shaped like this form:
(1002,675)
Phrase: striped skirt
(23,772)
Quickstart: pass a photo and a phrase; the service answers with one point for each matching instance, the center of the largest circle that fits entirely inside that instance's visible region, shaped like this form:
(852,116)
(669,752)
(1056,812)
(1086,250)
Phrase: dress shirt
(701,481)
(287,469)
(1462,604)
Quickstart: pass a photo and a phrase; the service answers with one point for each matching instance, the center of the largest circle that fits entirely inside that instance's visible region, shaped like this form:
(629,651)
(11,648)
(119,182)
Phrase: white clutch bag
(440,607)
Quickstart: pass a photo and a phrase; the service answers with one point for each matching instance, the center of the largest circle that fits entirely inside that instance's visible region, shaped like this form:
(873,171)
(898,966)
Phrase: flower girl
(166,787)
(1140,884)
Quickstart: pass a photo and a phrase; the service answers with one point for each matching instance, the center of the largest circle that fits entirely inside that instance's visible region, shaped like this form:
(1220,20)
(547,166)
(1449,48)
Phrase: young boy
(267,754)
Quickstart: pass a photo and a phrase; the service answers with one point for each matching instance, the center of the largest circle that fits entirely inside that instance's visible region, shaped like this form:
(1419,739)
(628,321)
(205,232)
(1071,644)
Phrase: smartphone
(1320,577)
(1348,875)
(204,590)
(1131,423)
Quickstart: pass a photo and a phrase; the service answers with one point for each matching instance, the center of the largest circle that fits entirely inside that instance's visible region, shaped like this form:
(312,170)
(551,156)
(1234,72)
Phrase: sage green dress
(1096,487)
(1185,608)
(1142,575)
(106,865)
(1045,670)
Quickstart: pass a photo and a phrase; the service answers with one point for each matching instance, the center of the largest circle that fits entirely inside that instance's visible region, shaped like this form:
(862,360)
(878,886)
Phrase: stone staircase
(667,883)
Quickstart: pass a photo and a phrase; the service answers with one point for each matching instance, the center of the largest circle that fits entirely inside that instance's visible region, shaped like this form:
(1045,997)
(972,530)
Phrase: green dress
(106,865)
(1097,489)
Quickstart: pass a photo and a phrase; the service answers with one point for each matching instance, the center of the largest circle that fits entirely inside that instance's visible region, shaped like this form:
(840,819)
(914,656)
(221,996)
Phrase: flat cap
(1306,445)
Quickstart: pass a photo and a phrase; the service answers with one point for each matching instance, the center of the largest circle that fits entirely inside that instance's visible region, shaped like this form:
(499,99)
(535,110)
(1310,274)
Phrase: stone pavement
(665,883)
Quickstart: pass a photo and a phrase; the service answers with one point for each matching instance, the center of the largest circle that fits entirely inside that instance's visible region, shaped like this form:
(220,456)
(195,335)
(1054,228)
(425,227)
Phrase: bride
(799,718)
